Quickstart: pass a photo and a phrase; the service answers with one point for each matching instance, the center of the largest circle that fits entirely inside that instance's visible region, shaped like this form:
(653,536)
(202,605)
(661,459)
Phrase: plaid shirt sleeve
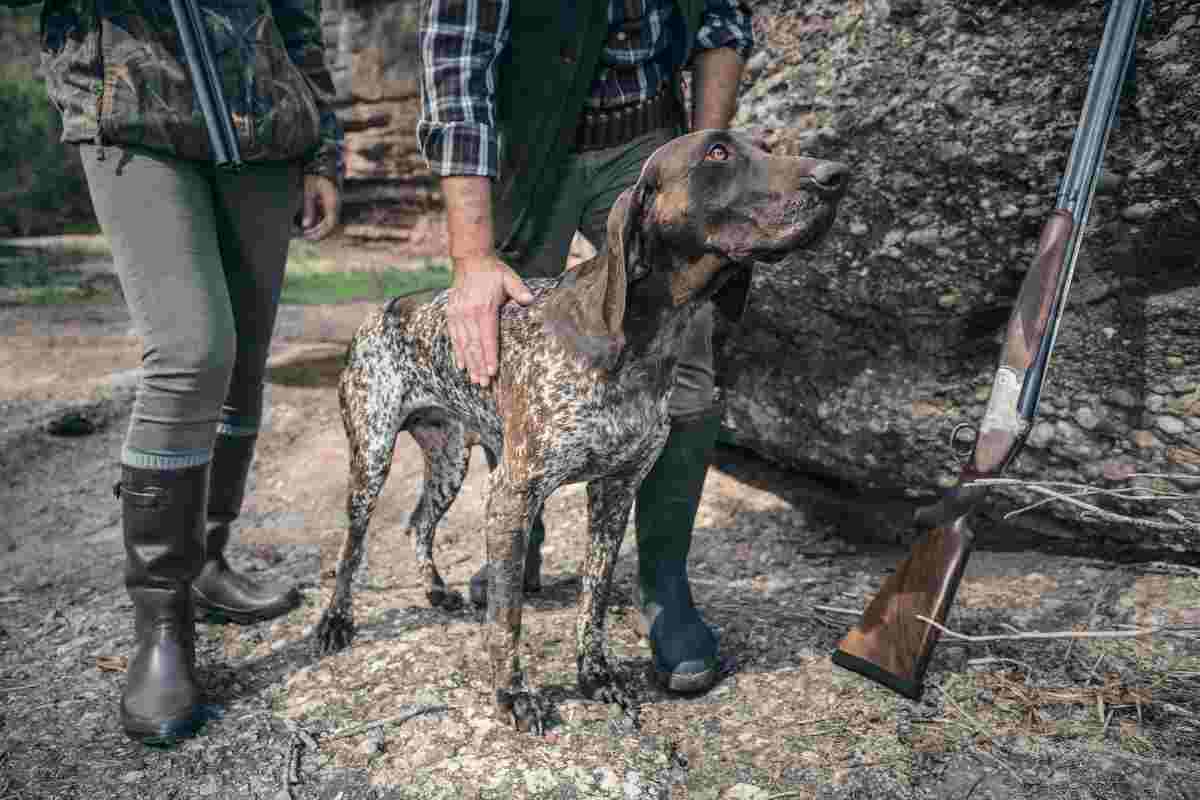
(460,43)
(726,23)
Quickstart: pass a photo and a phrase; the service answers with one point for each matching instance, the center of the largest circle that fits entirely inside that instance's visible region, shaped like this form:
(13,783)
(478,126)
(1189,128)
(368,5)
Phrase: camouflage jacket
(115,70)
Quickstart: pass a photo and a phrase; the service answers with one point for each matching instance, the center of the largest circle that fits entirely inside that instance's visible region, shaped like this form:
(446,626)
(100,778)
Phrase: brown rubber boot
(221,594)
(162,514)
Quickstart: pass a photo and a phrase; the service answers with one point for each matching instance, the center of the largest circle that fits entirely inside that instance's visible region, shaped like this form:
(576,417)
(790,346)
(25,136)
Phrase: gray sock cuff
(164,459)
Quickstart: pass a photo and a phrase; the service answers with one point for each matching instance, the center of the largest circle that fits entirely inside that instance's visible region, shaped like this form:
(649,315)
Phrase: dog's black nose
(832,176)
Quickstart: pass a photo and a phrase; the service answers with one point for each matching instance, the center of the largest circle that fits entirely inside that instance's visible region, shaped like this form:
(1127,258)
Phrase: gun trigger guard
(963,447)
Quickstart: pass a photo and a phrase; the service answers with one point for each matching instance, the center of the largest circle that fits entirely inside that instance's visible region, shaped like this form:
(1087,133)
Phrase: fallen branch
(399,719)
(19,688)
(835,610)
(1133,633)
(1066,492)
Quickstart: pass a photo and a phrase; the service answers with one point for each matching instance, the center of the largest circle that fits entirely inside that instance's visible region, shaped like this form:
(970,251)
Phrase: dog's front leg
(609,503)
(509,517)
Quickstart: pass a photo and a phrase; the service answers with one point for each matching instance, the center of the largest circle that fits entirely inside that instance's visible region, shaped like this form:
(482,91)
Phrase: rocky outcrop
(858,360)
(373,53)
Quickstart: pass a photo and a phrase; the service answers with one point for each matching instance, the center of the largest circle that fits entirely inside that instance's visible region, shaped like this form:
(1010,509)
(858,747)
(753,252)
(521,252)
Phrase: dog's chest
(582,427)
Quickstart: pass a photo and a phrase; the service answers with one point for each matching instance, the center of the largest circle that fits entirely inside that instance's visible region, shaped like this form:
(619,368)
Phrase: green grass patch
(42,275)
(312,288)
(58,296)
(31,267)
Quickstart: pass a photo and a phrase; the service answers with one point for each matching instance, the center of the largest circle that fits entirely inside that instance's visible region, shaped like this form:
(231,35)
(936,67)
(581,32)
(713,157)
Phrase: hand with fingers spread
(482,285)
(482,282)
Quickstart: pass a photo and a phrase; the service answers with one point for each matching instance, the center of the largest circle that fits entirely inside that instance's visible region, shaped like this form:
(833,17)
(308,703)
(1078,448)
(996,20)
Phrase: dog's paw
(443,598)
(334,632)
(525,707)
(600,682)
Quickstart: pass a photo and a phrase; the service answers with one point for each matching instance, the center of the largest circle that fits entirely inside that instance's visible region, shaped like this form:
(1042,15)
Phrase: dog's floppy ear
(626,242)
(589,315)
(585,313)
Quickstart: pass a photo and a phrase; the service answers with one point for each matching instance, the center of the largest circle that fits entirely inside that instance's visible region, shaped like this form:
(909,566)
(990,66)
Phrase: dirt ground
(405,712)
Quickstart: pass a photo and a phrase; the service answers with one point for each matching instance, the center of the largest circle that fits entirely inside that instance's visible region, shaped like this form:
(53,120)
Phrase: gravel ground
(404,713)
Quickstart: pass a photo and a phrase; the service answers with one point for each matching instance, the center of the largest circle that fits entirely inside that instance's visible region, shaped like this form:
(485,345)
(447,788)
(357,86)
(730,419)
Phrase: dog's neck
(658,302)
(660,306)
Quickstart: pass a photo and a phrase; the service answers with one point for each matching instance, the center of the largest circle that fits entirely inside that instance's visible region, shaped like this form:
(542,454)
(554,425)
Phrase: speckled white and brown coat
(581,394)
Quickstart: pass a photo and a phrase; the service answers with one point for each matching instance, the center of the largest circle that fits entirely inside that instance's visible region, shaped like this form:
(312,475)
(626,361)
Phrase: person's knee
(199,363)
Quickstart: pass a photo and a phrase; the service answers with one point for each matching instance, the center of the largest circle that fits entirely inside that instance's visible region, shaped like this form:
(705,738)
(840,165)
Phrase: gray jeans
(591,185)
(201,258)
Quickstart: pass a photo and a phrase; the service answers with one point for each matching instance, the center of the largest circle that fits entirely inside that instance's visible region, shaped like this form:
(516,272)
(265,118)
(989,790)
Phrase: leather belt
(602,128)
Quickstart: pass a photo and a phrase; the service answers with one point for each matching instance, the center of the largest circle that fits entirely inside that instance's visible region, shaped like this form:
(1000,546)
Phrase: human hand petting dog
(482,282)
(482,285)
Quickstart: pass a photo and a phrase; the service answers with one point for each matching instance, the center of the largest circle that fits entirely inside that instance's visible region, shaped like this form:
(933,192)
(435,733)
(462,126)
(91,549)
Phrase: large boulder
(856,361)
(374,56)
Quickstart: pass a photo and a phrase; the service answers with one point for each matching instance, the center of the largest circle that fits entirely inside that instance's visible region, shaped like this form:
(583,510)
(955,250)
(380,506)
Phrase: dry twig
(354,730)
(1067,492)
(835,610)
(1133,633)
(19,688)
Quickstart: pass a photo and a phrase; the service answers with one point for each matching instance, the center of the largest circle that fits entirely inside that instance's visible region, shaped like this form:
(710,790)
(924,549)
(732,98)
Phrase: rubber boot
(220,593)
(162,515)
(533,567)
(683,647)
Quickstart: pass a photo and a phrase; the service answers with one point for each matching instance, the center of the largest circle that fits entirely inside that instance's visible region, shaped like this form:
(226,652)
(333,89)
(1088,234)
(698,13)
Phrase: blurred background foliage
(42,186)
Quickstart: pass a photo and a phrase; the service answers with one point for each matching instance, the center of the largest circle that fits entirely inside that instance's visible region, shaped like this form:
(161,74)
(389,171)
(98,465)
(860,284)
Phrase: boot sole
(217,615)
(686,682)
(683,682)
(158,733)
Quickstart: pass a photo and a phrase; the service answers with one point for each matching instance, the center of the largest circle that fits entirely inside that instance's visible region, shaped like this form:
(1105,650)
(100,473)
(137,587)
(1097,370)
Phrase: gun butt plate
(890,645)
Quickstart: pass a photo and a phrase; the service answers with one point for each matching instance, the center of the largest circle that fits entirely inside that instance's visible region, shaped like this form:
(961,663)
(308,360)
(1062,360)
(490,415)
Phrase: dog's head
(713,202)
(706,207)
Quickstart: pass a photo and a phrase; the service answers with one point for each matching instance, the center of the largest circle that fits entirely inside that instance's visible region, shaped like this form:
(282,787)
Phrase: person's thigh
(611,172)
(254,209)
(157,213)
(548,258)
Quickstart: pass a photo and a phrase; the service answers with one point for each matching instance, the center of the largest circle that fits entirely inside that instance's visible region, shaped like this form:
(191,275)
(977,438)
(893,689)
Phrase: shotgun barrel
(207,84)
(891,646)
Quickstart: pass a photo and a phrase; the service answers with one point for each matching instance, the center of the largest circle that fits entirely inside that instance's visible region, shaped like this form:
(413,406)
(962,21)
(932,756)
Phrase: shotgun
(203,71)
(890,645)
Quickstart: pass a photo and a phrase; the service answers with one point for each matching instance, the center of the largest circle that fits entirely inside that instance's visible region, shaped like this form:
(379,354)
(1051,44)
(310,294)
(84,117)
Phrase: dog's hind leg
(609,503)
(371,434)
(447,450)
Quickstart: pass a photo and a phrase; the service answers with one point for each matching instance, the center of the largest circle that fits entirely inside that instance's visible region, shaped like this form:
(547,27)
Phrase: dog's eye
(718,152)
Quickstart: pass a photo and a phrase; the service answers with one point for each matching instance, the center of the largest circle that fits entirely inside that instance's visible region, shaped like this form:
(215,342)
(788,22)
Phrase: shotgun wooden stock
(890,645)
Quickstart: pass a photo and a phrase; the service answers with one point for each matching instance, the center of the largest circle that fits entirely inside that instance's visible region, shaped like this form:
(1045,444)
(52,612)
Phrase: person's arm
(299,24)
(457,135)
(723,44)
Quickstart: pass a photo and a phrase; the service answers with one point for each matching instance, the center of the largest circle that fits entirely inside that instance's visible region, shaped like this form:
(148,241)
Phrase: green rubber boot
(683,647)
(533,567)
